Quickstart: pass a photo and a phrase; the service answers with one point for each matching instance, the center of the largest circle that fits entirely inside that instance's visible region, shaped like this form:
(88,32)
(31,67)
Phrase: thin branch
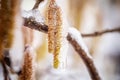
(37,4)
(99,33)
(33,24)
(5,71)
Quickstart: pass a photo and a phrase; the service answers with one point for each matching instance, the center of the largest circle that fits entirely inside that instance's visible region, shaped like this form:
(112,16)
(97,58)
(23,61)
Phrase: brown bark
(87,60)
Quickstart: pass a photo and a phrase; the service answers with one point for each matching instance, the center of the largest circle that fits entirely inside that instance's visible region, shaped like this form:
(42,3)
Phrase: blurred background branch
(99,33)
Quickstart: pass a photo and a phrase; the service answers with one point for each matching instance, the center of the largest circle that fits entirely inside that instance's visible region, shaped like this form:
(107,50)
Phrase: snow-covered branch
(33,20)
(75,39)
(39,24)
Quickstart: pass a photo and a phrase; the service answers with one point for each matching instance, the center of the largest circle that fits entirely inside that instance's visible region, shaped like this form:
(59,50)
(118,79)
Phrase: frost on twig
(76,41)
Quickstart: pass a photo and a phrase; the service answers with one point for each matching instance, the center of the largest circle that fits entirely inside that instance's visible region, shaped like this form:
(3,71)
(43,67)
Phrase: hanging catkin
(51,26)
(54,31)
(28,69)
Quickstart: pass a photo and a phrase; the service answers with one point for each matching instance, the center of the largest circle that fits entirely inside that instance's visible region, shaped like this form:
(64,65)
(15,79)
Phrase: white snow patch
(33,13)
(75,34)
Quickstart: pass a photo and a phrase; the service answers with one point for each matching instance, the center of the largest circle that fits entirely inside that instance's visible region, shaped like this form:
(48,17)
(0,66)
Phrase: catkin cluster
(54,31)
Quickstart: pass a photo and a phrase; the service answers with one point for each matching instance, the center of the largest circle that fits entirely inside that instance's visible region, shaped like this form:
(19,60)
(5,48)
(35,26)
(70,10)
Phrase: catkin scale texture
(54,31)
(51,29)
(58,38)
(27,68)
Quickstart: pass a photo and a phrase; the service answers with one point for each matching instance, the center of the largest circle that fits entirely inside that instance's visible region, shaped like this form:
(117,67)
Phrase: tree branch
(33,24)
(40,26)
(37,4)
(99,33)
(75,40)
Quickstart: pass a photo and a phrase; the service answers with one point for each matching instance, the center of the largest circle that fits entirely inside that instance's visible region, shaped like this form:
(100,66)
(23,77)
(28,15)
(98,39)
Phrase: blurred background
(87,16)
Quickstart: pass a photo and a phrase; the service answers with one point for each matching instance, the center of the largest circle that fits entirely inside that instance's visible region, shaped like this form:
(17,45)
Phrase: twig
(79,47)
(37,4)
(31,23)
(99,33)
(5,71)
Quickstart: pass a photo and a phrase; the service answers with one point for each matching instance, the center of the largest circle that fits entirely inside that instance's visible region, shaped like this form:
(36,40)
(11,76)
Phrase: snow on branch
(80,48)
(75,39)
(36,22)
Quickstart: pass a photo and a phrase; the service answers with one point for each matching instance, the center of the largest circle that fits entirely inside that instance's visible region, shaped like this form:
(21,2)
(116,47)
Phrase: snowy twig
(32,23)
(75,39)
(33,20)
(40,26)
(99,33)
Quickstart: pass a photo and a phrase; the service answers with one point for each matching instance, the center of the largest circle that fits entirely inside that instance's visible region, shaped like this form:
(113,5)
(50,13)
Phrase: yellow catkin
(58,36)
(54,31)
(8,11)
